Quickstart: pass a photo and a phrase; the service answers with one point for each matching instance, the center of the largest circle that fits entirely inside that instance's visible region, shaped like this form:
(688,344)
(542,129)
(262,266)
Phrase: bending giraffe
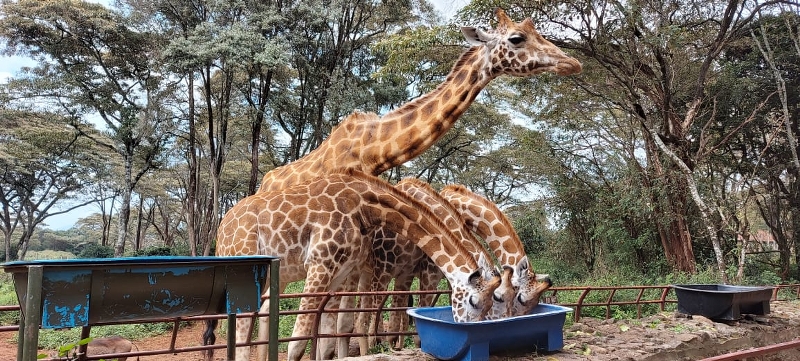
(398,261)
(491,224)
(317,229)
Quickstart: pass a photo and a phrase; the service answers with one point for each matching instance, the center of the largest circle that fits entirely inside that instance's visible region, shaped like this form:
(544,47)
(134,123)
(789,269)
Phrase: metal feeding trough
(722,302)
(86,292)
(445,339)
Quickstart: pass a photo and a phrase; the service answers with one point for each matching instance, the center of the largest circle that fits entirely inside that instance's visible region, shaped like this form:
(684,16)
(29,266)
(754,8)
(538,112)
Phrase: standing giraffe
(318,228)
(491,224)
(374,144)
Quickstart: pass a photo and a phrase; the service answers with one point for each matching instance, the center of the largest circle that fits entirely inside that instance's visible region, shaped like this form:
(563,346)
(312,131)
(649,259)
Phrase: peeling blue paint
(143,289)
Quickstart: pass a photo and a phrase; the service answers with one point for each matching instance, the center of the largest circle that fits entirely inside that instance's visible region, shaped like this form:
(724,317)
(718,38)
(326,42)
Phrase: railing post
(274,308)
(231,349)
(29,341)
(664,294)
(579,306)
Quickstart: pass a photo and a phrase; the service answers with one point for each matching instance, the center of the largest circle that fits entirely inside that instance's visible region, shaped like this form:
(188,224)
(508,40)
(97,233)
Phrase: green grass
(54,339)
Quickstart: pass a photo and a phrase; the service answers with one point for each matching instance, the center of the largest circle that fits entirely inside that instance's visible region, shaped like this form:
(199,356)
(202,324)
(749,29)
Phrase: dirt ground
(662,337)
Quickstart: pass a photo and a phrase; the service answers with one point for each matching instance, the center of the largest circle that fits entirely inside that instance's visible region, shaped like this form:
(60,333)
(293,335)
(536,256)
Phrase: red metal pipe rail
(612,298)
(757,351)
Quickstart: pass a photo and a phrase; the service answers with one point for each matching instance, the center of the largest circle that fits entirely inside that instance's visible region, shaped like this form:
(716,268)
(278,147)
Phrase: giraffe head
(530,288)
(472,298)
(504,296)
(517,49)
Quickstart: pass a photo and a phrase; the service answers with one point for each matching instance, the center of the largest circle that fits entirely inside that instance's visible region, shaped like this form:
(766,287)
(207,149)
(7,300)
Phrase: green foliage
(156,251)
(55,339)
(70,350)
(531,227)
(8,297)
(94,250)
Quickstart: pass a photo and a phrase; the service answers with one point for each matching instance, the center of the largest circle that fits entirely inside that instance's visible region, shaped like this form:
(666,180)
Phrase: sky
(9,66)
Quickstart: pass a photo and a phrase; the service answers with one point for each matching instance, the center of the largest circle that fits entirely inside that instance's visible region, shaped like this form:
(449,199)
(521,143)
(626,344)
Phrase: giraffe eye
(497,298)
(472,303)
(516,39)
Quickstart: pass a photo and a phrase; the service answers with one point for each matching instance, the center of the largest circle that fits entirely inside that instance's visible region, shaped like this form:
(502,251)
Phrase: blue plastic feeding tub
(445,339)
(722,302)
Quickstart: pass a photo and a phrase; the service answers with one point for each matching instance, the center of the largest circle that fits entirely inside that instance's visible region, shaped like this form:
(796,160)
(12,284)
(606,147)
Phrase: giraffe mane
(466,57)
(461,189)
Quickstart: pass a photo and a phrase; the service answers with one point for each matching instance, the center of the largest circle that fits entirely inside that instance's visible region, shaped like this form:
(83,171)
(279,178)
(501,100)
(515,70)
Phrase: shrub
(156,251)
(94,250)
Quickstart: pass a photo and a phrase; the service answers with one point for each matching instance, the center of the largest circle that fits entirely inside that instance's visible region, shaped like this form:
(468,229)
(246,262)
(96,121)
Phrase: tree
(652,63)
(44,166)
(90,63)
(755,93)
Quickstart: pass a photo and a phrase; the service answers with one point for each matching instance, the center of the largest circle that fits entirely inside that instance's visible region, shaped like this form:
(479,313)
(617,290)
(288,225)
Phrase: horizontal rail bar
(757,351)
(637,299)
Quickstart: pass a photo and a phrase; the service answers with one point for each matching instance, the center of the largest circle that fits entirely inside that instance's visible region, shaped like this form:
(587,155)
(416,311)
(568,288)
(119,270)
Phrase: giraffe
(374,144)
(317,229)
(495,228)
(504,295)
(395,257)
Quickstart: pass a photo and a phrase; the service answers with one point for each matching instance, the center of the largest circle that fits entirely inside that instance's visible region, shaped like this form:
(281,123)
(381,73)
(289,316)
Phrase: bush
(156,251)
(94,250)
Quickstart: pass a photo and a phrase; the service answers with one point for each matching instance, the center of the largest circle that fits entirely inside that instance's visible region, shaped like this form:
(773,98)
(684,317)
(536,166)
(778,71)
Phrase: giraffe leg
(320,278)
(242,335)
(398,320)
(326,346)
(367,282)
(346,320)
(263,323)
(263,331)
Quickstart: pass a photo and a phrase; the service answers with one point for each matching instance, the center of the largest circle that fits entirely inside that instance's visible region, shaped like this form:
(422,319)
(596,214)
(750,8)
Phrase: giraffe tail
(209,338)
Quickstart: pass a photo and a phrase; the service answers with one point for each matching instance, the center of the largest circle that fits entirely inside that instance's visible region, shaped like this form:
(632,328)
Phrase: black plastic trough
(722,302)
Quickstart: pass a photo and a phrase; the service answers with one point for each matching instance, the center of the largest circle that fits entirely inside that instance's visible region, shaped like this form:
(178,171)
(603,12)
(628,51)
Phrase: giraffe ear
(475,36)
(487,268)
(523,265)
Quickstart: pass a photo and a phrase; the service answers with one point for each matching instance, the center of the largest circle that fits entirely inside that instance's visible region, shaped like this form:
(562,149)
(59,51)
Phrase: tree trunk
(191,184)
(22,245)
(125,208)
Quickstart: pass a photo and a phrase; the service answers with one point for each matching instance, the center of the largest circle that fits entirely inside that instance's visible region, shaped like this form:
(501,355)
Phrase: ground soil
(663,337)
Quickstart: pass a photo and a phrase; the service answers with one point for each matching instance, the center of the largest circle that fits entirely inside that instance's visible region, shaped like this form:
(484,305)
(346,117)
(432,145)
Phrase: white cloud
(448,8)
(11,65)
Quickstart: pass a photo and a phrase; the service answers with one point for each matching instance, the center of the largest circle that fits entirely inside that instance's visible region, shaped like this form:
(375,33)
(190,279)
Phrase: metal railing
(606,298)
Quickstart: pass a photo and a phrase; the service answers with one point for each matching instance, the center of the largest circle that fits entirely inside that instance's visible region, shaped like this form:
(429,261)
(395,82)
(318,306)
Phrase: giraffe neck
(373,145)
(415,126)
(443,210)
(489,222)
(394,211)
